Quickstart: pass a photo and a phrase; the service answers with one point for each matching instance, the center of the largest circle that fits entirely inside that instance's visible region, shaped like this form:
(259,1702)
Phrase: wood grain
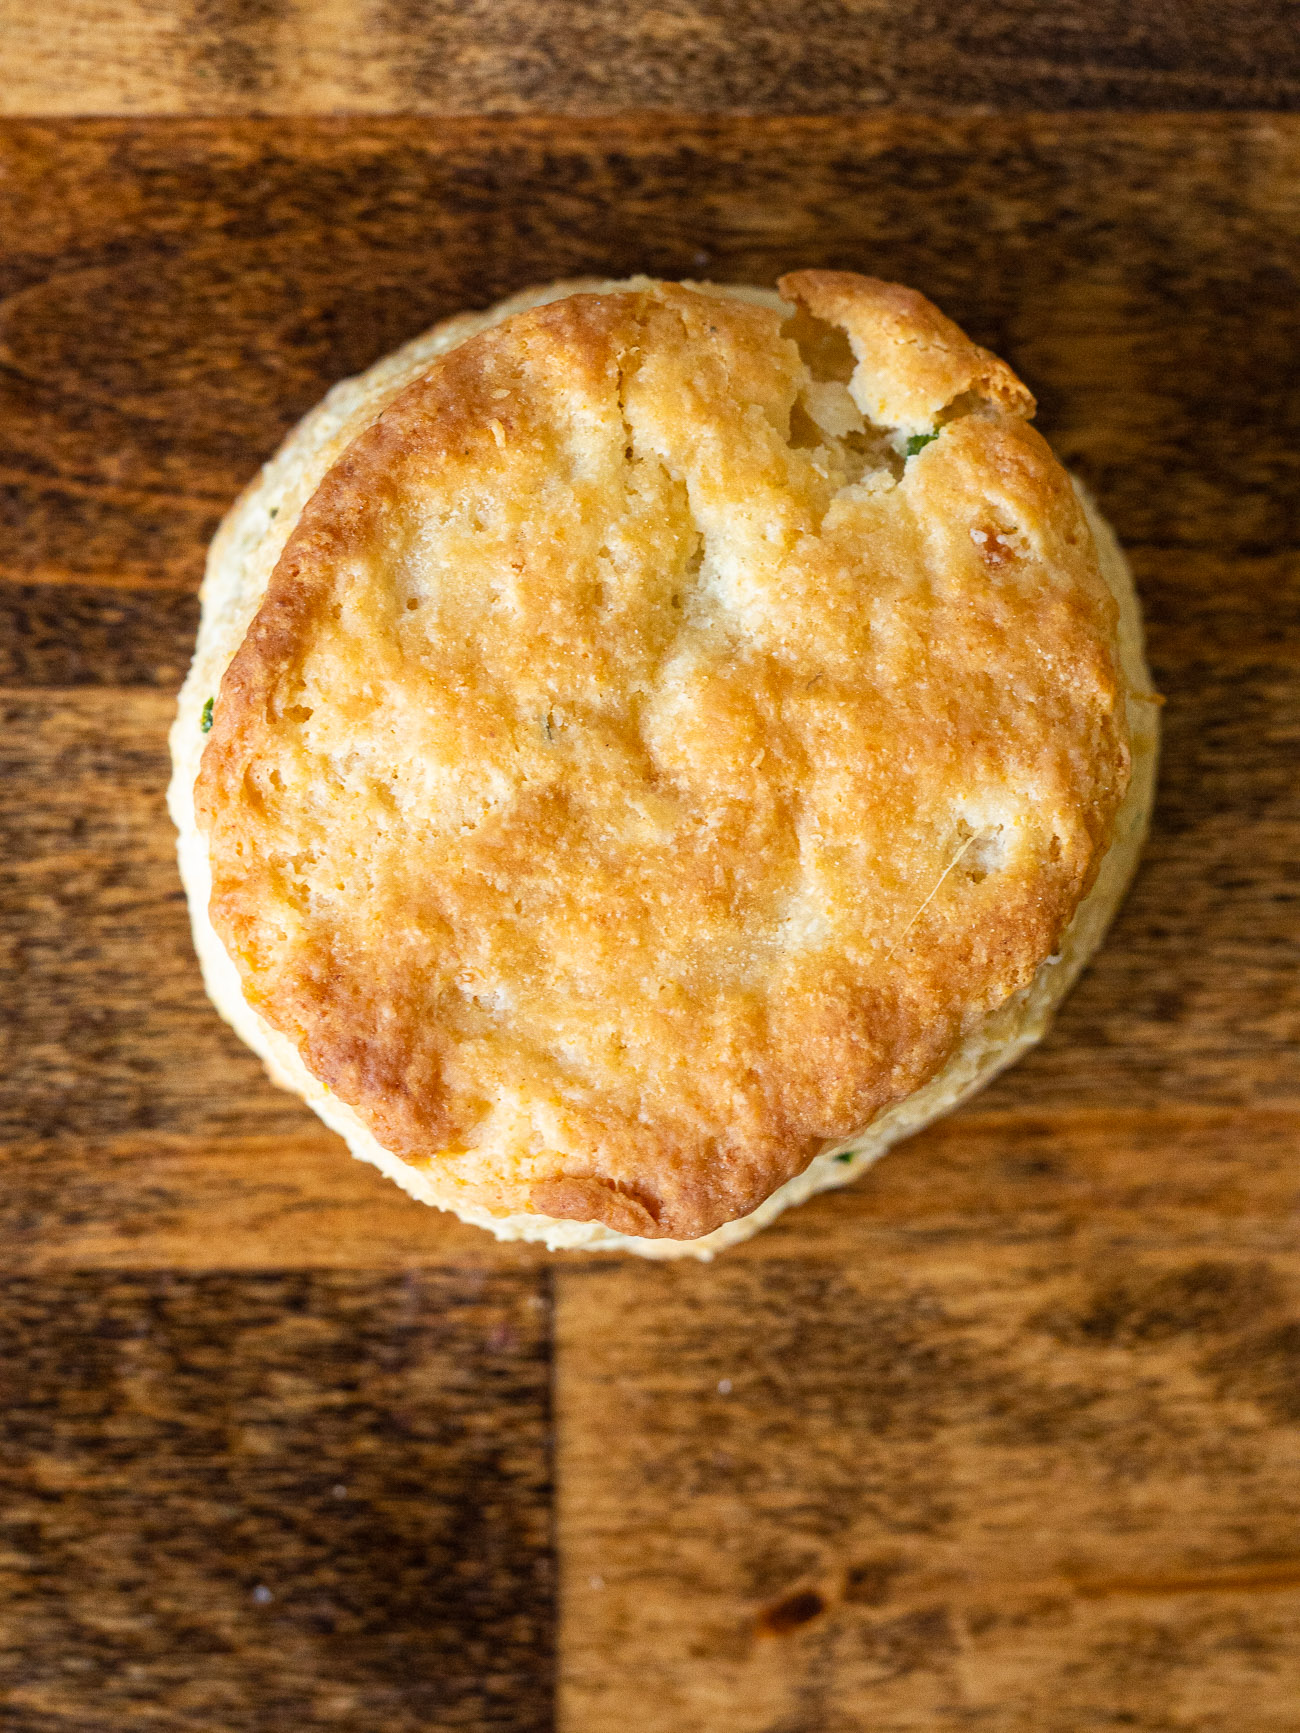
(106,634)
(184,1203)
(106,1023)
(1195,998)
(267,1501)
(1019,1459)
(179,57)
(86,635)
(173,1202)
(1010,1433)
(173,297)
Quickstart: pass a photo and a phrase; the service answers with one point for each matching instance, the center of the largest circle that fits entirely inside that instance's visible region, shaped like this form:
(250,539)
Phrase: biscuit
(667,743)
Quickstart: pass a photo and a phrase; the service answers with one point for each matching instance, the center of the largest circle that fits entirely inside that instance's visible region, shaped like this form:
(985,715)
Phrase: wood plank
(1195,997)
(173,296)
(1229,611)
(106,1024)
(1170,1176)
(1236,610)
(154,1201)
(287,1500)
(1010,1432)
(1196,993)
(95,635)
(968,1463)
(327,56)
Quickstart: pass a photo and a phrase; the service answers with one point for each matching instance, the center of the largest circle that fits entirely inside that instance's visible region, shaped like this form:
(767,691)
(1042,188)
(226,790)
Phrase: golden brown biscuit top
(669,729)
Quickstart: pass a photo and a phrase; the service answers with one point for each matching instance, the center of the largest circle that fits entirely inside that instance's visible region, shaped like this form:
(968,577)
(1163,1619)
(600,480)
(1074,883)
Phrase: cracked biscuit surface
(656,733)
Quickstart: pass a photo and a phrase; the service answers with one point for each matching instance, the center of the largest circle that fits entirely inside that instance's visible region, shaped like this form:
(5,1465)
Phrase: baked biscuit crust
(641,772)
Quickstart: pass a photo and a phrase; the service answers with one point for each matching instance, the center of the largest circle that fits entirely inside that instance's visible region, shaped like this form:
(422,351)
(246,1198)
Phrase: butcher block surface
(1004,1437)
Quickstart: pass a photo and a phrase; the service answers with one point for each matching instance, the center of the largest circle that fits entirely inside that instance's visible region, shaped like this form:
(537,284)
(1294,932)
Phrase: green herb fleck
(274,511)
(205,721)
(918,442)
(846,1155)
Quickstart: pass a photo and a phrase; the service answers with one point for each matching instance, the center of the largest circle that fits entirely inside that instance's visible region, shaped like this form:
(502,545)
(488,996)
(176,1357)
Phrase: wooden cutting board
(1005,1437)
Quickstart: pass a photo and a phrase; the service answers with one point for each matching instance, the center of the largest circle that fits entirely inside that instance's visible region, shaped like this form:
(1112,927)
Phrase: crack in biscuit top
(669,728)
